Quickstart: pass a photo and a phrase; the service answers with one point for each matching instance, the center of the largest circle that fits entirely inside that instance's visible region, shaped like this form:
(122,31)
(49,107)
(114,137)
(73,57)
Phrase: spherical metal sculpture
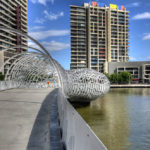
(35,69)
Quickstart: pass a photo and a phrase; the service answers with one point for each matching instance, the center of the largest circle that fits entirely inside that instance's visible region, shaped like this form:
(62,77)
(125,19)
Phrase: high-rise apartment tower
(98,35)
(13,14)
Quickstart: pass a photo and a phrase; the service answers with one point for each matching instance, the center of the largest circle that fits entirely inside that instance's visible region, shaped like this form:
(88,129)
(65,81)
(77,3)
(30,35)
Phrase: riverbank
(130,86)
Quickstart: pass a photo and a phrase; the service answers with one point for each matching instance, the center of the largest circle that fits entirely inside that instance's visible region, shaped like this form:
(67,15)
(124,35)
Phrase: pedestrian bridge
(35,113)
(29,121)
(36,68)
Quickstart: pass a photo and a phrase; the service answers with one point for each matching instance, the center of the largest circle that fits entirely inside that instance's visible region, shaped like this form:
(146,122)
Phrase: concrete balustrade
(76,133)
(4,85)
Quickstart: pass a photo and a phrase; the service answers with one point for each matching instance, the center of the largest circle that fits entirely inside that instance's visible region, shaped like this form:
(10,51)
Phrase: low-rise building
(139,70)
(146,72)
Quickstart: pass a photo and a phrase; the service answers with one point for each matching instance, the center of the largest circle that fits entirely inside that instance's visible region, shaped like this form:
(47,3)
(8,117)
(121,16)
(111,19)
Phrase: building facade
(98,35)
(139,70)
(13,14)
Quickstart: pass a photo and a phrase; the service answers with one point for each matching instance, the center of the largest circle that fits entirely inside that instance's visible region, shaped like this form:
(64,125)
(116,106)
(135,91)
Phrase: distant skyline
(49,23)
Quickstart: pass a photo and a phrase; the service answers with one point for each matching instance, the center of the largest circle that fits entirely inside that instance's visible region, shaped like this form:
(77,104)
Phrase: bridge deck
(18,111)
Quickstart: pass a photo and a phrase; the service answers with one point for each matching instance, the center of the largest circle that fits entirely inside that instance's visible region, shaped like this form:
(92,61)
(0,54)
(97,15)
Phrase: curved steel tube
(27,36)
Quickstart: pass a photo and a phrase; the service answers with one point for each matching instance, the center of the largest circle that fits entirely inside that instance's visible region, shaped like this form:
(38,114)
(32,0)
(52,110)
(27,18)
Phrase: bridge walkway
(19,109)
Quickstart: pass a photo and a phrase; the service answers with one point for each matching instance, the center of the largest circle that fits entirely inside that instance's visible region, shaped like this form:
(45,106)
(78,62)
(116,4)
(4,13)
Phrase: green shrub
(123,77)
(2,77)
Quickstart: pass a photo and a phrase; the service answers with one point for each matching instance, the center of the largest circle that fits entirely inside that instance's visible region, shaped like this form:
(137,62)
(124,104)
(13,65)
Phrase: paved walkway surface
(18,112)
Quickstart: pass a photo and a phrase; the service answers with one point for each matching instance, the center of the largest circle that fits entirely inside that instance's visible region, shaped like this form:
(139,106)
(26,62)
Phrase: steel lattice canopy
(39,70)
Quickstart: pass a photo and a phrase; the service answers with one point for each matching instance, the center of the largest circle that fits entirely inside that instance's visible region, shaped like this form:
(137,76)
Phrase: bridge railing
(76,133)
(4,85)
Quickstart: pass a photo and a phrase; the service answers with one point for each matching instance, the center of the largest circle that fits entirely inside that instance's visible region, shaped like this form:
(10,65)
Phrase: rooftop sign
(112,6)
(122,7)
(94,4)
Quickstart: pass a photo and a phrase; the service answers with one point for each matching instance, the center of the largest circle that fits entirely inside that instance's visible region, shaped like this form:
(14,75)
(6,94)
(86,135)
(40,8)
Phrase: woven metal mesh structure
(32,70)
(86,84)
(39,70)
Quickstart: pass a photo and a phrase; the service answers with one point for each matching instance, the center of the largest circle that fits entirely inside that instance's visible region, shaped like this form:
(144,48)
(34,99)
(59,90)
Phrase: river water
(121,119)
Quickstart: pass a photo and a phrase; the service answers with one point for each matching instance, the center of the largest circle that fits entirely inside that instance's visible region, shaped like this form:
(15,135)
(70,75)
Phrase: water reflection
(115,118)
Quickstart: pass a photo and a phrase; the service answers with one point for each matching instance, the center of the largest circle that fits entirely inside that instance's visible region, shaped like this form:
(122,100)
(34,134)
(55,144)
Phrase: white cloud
(135,4)
(145,15)
(52,16)
(39,1)
(146,37)
(133,59)
(32,44)
(51,46)
(143,58)
(36,28)
(148,57)
(40,21)
(40,35)
(52,1)
(54,46)
(43,2)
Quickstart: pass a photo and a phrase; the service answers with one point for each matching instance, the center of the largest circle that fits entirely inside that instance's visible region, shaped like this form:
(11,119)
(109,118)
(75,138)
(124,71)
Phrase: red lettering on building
(122,7)
(94,4)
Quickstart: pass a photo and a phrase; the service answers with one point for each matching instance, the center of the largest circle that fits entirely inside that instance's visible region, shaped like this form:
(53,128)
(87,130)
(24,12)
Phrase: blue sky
(48,22)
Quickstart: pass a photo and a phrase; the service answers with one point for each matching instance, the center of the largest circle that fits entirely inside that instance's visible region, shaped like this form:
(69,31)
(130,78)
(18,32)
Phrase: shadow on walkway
(40,135)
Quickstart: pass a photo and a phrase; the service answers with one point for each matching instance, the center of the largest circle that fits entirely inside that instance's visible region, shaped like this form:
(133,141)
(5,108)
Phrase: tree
(2,77)
(124,77)
(114,78)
